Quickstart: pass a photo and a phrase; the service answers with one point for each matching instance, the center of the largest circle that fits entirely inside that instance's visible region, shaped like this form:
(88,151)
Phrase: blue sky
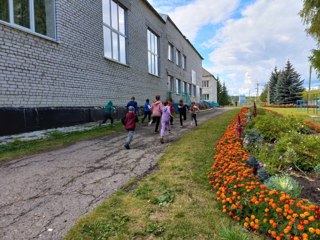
(243,41)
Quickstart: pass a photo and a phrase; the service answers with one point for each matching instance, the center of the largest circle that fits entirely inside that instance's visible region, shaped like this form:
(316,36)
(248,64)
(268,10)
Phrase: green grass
(175,202)
(56,140)
(303,114)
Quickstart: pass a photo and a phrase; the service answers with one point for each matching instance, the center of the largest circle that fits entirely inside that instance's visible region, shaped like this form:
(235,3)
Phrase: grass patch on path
(55,140)
(175,202)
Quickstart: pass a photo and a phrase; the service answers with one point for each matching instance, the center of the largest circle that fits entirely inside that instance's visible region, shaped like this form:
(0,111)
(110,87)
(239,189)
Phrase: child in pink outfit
(165,120)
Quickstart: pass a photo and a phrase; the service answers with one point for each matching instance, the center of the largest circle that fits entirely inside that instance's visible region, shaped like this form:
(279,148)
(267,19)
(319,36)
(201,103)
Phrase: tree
(289,87)
(272,85)
(219,90)
(310,15)
(264,94)
(225,99)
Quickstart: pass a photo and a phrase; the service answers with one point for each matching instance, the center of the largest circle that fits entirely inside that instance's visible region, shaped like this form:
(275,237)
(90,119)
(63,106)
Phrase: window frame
(155,56)
(205,84)
(178,86)
(32,23)
(117,53)
(178,58)
(184,62)
(170,52)
(171,83)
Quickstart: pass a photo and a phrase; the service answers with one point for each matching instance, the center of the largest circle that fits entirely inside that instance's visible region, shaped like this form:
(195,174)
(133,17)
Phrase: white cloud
(193,15)
(268,34)
(244,50)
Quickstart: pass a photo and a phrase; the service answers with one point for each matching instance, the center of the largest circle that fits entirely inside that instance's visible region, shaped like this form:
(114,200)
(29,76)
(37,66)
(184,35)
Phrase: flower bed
(246,200)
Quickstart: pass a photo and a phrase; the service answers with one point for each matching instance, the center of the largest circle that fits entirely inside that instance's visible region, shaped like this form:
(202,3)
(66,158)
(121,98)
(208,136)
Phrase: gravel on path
(42,196)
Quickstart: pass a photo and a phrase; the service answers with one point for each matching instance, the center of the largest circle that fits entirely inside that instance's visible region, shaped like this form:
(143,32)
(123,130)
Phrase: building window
(178,58)
(185,87)
(190,89)
(114,31)
(194,77)
(194,91)
(170,52)
(205,83)
(171,83)
(184,62)
(178,86)
(205,96)
(36,16)
(153,56)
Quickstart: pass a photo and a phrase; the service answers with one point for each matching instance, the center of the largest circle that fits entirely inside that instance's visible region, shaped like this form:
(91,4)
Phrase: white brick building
(209,86)
(57,55)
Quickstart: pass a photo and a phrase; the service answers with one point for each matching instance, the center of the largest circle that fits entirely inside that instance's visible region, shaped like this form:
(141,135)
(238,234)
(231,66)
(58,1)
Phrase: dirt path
(42,196)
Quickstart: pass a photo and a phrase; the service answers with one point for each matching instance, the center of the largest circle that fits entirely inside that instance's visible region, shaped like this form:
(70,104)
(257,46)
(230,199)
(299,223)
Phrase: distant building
(209,86)
(62,59)
(242,99)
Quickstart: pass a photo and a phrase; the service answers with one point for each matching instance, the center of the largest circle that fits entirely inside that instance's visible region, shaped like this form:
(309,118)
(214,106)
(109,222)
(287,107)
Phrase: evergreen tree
(272,85)
(225,99)
(311,16)
(289,87)
(219,91)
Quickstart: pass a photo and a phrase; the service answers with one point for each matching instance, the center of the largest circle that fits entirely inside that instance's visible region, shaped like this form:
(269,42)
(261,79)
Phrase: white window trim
(178,58)
(171,50)
(32,21)
(184,61)
(112,30)
(154,54)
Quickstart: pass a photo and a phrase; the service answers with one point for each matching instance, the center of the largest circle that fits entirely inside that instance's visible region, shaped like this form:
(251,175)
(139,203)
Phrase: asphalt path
(43,195)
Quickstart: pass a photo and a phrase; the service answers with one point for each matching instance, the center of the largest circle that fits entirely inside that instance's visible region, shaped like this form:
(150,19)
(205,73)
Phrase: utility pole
(310,71)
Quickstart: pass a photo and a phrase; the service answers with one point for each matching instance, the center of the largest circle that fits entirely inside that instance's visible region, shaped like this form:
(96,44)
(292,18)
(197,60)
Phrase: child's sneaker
(127,146)
(161,140)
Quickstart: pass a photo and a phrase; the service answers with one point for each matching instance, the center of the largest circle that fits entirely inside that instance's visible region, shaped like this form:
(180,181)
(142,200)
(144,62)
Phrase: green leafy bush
(284,183)
(273,127)
(292,150)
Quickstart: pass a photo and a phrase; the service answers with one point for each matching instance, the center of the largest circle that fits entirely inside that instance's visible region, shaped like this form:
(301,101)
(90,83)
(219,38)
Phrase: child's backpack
(123,120)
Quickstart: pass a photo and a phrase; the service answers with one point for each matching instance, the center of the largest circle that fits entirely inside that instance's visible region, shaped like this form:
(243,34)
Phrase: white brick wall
(36,72)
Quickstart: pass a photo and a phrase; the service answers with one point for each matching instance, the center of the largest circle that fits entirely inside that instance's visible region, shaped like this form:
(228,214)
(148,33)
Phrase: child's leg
(195,119)
(129,137)
(157,123)
(144,117)
(169,127)
(181,121)
(163,128)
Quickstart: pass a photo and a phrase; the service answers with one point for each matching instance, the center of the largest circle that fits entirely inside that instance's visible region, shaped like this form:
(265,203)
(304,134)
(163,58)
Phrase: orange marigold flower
(311,230)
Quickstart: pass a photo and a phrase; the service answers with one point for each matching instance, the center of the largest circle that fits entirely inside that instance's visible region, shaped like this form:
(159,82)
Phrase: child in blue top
(146,111)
